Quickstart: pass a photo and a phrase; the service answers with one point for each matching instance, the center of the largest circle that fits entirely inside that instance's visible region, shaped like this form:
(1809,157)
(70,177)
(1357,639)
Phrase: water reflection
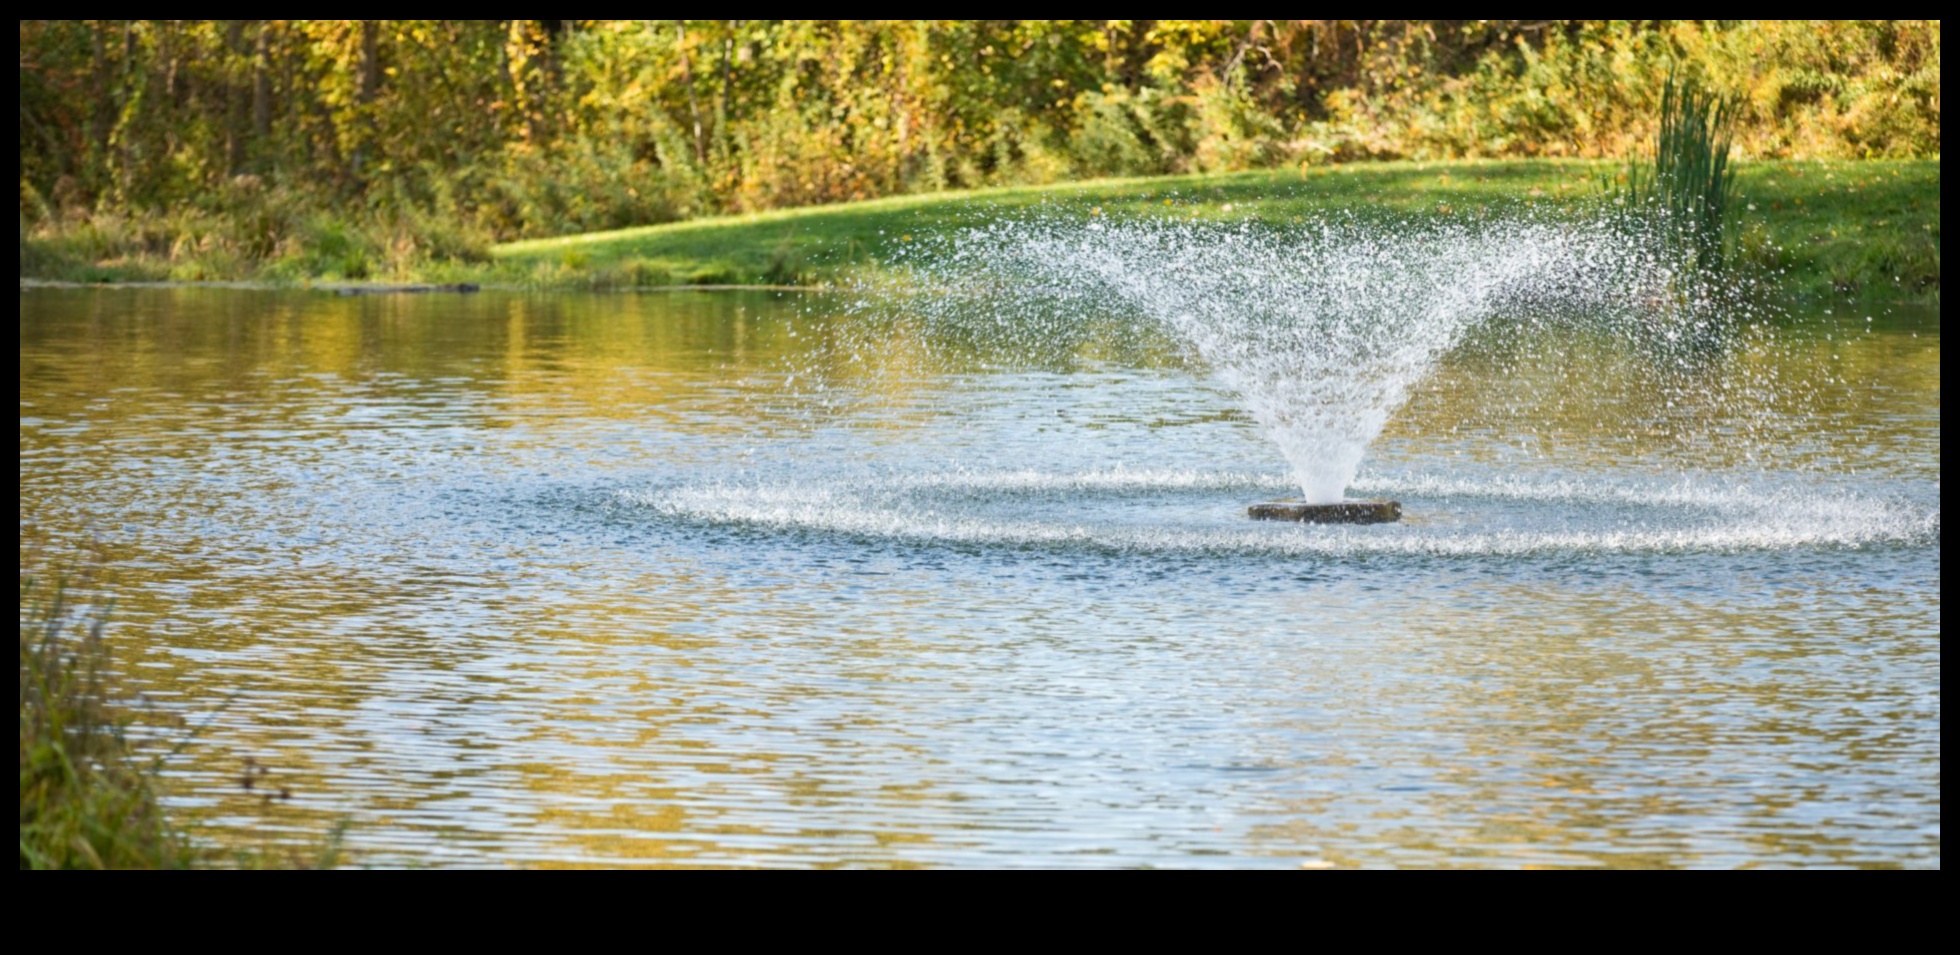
(388,546)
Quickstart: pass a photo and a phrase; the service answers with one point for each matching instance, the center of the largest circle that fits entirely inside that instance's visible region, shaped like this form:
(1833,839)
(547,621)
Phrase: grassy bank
(1832,228)
(88,798)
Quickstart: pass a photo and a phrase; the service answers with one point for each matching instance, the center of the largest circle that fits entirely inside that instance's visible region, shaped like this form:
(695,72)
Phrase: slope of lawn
(1867,229)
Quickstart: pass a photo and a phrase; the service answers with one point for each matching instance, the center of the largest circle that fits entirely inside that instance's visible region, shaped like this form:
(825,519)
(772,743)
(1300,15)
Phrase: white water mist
(1322,330)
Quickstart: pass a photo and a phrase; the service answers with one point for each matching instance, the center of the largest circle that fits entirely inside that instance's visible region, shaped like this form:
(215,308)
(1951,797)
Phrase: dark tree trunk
(370,88)
(236,100)
(102,112)
(721,112)
(370,61)
(262,85)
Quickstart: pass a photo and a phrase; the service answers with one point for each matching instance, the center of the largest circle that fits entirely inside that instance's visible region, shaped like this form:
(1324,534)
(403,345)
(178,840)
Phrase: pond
(512,579)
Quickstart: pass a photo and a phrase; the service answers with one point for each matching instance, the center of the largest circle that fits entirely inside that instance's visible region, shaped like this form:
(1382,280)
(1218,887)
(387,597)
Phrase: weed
(87,799)
(86,802)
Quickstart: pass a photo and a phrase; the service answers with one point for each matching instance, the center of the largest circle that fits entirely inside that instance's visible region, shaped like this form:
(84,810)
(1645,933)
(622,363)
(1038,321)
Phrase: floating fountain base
(1345,512)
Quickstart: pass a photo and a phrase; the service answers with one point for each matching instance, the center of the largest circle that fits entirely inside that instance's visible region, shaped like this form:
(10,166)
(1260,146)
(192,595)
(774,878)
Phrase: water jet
(1321,330)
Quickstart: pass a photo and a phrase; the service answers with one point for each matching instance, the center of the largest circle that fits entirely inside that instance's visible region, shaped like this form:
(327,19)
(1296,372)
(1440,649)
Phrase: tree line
(534,127)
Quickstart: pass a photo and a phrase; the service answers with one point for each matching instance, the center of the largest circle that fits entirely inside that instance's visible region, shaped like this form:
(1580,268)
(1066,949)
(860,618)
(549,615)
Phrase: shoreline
(355,289)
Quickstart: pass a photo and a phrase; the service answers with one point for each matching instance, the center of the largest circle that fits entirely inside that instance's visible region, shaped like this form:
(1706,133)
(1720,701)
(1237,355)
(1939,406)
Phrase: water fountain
(1545,385)
(980,576)
(1321,329)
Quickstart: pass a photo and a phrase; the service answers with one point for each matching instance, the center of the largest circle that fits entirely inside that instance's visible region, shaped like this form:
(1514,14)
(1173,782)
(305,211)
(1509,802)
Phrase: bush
(1120,133)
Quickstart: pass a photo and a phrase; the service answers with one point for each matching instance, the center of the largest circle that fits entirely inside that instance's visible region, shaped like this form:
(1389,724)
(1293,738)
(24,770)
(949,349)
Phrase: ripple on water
(515,579)
(1202,513)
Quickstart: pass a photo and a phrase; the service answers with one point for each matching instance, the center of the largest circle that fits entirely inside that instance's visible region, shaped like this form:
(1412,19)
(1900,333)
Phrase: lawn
(1863,229)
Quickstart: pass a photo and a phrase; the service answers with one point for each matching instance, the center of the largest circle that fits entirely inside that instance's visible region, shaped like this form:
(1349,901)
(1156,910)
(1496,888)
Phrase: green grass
(1865,229)
(1825,229)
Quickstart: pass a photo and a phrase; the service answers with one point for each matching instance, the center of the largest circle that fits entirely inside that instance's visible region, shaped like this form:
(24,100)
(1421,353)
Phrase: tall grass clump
(1685,189)
(86,801)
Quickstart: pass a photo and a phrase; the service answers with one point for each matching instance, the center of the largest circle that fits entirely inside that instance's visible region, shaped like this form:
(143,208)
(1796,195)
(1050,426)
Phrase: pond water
(508,579)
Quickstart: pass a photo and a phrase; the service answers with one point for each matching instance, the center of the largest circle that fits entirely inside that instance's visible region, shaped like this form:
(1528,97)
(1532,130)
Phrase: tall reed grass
(1685,188)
